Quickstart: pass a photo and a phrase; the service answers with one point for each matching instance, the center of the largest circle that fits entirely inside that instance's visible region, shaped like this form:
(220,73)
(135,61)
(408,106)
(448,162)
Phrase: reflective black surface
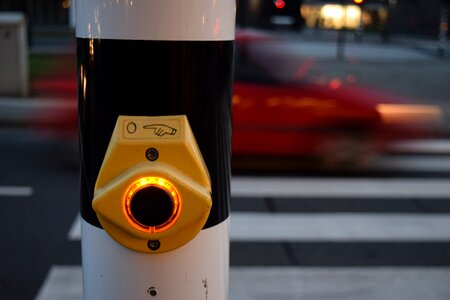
(151,206)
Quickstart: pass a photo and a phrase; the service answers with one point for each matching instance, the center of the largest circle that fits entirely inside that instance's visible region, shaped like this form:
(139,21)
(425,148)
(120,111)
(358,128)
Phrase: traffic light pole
(340,47)
(154,93)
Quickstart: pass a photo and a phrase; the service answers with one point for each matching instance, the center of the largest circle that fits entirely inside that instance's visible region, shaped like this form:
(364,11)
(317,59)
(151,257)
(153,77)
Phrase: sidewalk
(352,52)
(426,45)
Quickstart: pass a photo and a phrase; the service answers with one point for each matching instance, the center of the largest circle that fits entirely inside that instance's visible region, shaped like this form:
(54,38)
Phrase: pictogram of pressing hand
(161,129)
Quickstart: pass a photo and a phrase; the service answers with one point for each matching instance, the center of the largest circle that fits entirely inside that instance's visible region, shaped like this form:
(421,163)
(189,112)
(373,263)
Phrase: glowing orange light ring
(159,183)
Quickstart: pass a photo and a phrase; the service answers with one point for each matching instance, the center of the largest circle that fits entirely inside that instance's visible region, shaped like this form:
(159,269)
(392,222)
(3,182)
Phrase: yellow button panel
(153,192)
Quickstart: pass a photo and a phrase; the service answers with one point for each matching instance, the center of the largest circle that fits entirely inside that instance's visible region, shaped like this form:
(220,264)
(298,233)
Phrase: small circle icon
(131,127)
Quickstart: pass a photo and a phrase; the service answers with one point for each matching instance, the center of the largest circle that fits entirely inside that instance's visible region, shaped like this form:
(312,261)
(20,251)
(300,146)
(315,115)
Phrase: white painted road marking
(332,226)
(75,230)
(372,283)
(428,188)
(16,191)
(341,227)
(273,283)
(435,146)
(62,283)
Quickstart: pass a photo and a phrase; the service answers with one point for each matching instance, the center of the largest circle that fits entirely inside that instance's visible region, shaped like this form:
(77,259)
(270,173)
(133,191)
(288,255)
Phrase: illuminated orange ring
(160,183)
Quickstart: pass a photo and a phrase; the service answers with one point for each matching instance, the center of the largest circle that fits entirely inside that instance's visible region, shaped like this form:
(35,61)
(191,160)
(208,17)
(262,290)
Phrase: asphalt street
(34,225)
(307,230)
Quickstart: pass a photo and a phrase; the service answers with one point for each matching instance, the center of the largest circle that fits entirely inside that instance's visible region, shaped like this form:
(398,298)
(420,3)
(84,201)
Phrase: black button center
(151,206)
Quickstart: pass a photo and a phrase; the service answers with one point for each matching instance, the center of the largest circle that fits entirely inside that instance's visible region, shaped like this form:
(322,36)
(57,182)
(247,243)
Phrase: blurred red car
(280,116)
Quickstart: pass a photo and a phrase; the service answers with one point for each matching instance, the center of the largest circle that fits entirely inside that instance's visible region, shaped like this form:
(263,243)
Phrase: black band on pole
(155,78)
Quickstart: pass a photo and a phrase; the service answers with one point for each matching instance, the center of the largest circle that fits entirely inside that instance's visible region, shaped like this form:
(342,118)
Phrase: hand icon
(161,129)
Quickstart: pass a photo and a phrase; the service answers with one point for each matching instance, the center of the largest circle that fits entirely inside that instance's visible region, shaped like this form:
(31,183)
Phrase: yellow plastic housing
(177,168)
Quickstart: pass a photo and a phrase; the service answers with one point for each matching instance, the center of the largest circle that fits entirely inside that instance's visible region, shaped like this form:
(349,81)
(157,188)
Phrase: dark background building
(416,17)
(40,12)
(408,17)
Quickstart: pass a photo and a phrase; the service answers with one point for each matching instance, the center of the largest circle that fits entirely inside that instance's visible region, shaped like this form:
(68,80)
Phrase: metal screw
(152,291)
(154,245)
(152,154)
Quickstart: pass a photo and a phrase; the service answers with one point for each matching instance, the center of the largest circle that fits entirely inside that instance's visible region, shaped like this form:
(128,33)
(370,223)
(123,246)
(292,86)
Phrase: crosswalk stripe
(368,283)
(334,226)
(16,191)
(342,227)
(75,230)
(62,282)
(434,146)
(431,188)
(246,283)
